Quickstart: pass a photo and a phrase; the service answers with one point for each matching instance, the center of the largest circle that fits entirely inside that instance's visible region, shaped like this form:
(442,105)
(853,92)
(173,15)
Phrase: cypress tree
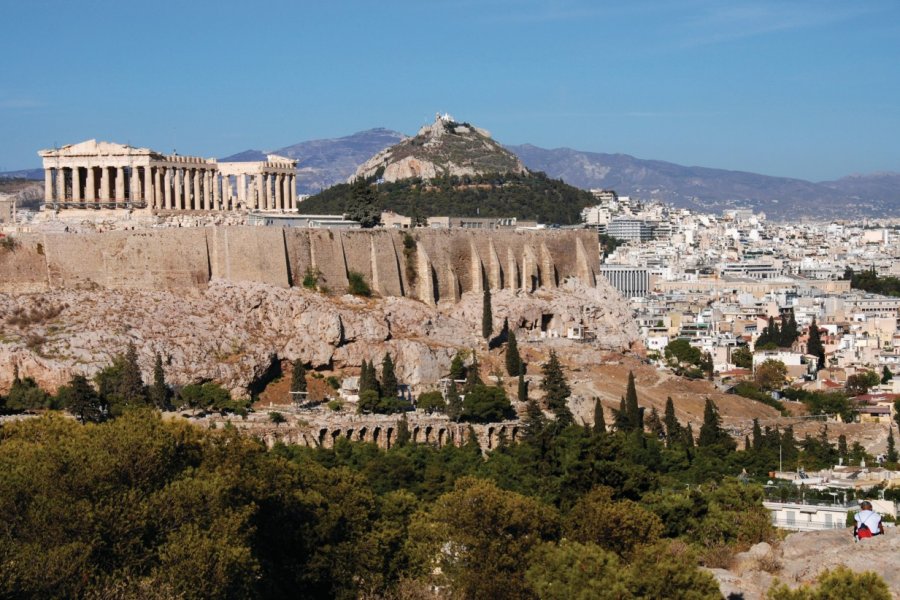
(620,417)
(814,344)
(746,443)
(513,360)
(891,449)
(689,436)
(131,386)
(298,376)
(403,434)
(842,446)
(556,389)
(159,391)
(655,425)
(83,400)
(633,413)
(522,386)
(364,380)
(757,435)
(673,427)
(599,419)
(487,318)
(711,432)
(388,378)
(535,423)
(886,375)
(473,377)
(454,404)
(457,368)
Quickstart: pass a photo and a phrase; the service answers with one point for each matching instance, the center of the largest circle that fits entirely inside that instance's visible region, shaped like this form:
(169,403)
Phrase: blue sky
(801,89)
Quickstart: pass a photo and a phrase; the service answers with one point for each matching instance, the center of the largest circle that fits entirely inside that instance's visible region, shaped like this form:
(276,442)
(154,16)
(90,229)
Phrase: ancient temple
(94,175)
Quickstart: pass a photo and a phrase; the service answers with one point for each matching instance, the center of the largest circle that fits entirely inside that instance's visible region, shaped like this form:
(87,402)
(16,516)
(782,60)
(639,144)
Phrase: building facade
(94,175)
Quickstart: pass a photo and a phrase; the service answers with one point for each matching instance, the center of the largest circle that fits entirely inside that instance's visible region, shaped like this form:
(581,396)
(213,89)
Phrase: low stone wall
(433,266)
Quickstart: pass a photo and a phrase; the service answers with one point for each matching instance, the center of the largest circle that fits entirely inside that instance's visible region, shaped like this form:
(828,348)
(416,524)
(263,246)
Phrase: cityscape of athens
(548,300)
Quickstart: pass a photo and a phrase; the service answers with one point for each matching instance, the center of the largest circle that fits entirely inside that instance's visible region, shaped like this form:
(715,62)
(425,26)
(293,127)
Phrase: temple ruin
(105,175)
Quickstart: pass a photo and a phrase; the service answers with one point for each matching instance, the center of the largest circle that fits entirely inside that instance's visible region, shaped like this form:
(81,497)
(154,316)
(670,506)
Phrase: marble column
(179,189)
(195,175)
(76,184)
(148,187)
(90,185)
(242,189)
(167,188)
(260,192)
(134,186)
(158,193)
(120,184)
(281,194)
(61,184)
(217,204)
(187,188)
(48,185)
(293,184)
(104,184)
(268,191)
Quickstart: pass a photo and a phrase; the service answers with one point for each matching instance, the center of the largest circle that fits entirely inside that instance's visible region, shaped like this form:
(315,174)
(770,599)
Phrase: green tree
(711,432)
(477,536)
(574,571)
(618,526)
(120,384)
(368,379)
(891,448)
(674,431)
(599,419)
(388,378)
(859,383)
(513,360)
(368,402)
(431,402)
(362,205)
(486,404)
(556,389)
(473,375)
(770,375)
(159,393)
(298,376)
(742,357)
(454,403)
(681,352)
(814,344)
(522,386)
(535,423)
(654,425)
(26,394)
(276,418)
(83,401)
(487,318)
(886,375)
(357,285)
(789,329)
(403,434)
(457,367)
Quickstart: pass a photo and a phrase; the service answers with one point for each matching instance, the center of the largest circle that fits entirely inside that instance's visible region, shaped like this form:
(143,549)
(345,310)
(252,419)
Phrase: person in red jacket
(868,522)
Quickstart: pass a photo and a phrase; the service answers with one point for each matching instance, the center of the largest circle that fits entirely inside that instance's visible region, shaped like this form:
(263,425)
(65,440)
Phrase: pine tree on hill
(513,360)
(522,387)
(789,331)
(655,425)
(131,386)
(403,434)
(556,389)
(620,417)
(457,367)
(599,418)
(388,378)
(159,392)
(711,432)
(814,344)
(757,435)
(454,403)
(487,318)
(891,455)
(674,433)
(535,423)
(473,377)
(298,376)
(634,415)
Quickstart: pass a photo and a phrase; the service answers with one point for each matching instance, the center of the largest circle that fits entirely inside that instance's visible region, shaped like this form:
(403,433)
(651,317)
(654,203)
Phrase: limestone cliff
(234,332)
(445,147)
(803,556)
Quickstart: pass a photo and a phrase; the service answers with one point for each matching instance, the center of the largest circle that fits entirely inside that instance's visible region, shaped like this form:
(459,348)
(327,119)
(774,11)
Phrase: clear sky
(803,89)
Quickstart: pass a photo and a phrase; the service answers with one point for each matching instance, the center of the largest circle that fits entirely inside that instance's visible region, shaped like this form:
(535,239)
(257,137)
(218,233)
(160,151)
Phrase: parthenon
(97,175)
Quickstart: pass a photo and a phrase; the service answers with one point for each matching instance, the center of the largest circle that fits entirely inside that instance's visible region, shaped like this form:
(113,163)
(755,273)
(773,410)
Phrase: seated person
(868,522)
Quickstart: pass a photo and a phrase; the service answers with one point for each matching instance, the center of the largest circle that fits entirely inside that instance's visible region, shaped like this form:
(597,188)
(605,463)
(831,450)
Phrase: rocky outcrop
(803,556)
(440,149)
(233,332)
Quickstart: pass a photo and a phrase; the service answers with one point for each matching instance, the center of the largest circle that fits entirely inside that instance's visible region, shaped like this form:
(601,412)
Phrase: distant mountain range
(325,162)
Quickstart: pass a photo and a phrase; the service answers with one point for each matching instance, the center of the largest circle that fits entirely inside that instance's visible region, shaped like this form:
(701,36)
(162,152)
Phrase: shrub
(358,285)
(311,278)
(335,405)
(431,402)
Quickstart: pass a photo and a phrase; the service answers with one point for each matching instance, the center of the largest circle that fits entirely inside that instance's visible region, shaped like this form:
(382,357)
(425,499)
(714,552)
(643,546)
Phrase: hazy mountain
(714,189)
(323,163)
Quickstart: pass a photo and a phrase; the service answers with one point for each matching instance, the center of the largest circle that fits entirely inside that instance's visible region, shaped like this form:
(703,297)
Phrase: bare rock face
(803,556)
(442,148)
(233,332)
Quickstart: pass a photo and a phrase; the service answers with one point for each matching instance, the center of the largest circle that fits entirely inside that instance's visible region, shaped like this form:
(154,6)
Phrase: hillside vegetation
(529,197)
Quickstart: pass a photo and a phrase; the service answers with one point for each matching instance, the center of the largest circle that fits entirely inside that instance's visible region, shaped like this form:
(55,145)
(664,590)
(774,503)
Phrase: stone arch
(349,434)
(490,438)
(323,433)
(361,435)
(334,436)
(415,434)
(442,437)
(514,437)
(389,437)
(376,433)
(428,430)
